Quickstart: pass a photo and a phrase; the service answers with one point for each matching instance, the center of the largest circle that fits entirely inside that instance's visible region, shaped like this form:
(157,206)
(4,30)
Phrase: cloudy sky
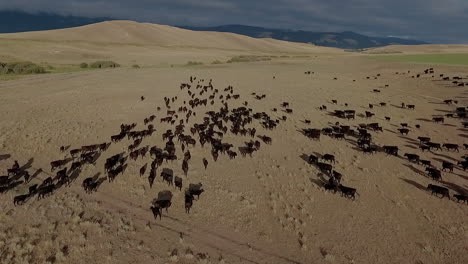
(436,21)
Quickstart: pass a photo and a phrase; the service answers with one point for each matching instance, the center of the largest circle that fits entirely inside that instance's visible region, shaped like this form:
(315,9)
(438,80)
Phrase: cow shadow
(443,111)
(304,157)
(423,119)
(410,146)
(27,165)
(409,139)
(4,156)
(99,182)
(440,160)
(444,156)
(462,176)
(397,106)
(416,170)
(455,187)
(36,173)
(415,184)
(74,175)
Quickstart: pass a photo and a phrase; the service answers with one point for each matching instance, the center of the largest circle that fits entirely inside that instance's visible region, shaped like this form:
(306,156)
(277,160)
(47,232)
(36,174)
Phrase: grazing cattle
(403,131)
(231,154)
(178,182)
(45,191)
(156,211)
(347,192)
(337,176)
(75,165)
(20,199)
(4,180)
(143,169)
(167,176)
(387,118)
(447,166)
(329,158)
(205,163)
(327,168)
(152,177)
(32,189)
(412,157)
(57,164)
(339,135)
(438,119)
(433,145)
(424,139)
(424,147)
(449,146)
(195,189)
(435,174)
(461,197)
(435,189)
(464,164)
(412,107)
(426,163)
(188,201)
(185,167)
(312,133)
(89,185)
(312,159)
(265,139)
(369,114)
(369,149)
(391,150)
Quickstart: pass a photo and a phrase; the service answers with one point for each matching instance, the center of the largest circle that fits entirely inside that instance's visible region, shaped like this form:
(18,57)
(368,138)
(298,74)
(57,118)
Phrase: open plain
(267,207)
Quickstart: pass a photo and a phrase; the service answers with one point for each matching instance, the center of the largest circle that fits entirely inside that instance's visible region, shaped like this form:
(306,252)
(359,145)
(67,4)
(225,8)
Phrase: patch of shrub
(21,68)
(248,58)
(193,63)
(84,65)
(104,64)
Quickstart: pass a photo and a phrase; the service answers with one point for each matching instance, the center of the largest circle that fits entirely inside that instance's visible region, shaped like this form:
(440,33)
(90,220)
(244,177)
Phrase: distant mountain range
(343,40)
(17,21)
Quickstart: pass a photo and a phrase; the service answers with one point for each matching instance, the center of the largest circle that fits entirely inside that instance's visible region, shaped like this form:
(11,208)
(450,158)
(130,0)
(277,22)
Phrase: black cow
(347,191)
(461,197)
(435,189)
(447,166)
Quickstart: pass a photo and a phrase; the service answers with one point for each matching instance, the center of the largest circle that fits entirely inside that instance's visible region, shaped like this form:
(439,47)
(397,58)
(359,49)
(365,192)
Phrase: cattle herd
(209,128)
(185,133)
(362,137)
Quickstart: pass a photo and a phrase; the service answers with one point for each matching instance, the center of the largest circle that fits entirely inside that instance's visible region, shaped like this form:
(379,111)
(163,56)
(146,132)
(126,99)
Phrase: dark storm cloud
(438,21)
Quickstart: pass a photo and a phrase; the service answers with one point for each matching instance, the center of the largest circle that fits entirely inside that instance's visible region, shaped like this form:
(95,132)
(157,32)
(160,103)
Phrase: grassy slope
(455,59)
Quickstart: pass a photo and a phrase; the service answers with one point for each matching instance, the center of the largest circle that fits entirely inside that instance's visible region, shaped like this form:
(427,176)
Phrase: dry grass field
(270,207)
